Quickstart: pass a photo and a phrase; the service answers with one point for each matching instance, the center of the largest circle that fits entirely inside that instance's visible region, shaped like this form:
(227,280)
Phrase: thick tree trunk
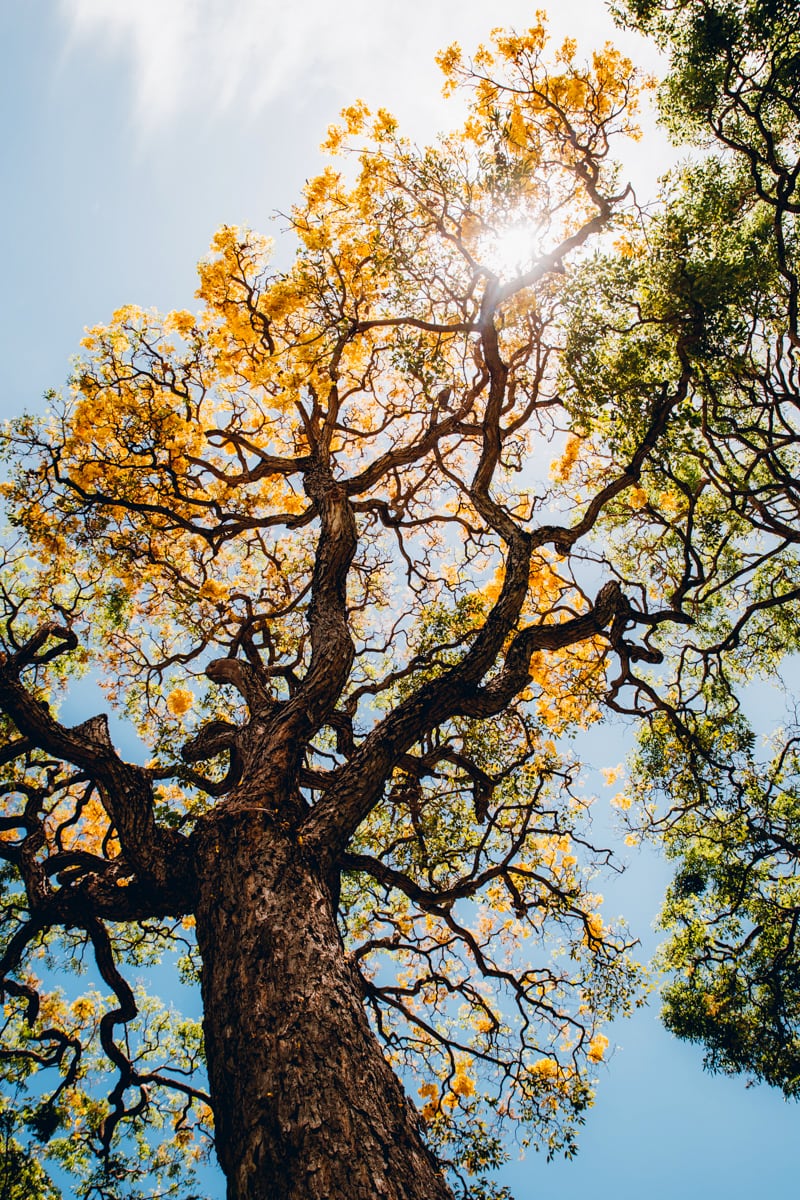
(306,1106)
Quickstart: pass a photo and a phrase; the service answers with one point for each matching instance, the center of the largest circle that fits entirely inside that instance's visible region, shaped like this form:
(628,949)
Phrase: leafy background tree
(729,816)
(177,701)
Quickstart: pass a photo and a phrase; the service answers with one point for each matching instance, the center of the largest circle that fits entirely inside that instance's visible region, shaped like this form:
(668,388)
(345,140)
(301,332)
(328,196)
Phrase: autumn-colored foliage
(357,548)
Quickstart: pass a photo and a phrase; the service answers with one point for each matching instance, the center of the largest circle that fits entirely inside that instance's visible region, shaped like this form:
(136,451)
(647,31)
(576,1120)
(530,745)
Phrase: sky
(131,131)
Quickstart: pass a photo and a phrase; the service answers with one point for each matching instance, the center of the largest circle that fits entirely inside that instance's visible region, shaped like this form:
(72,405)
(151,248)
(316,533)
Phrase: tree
(310,496)
(21,1176)
(357,548)
(730,818)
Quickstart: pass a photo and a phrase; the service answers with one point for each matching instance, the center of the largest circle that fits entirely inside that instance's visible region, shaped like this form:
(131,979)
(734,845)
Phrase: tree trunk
(306,1107)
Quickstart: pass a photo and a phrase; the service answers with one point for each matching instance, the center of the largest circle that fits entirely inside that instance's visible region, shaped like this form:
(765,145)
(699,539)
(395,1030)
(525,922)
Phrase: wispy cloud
(211,56)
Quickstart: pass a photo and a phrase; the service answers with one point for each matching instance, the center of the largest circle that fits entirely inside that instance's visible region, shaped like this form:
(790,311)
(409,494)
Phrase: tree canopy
(358,548)
(730,812)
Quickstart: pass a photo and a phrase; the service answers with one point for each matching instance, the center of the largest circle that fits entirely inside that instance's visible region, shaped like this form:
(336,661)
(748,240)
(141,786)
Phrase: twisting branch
(160,856)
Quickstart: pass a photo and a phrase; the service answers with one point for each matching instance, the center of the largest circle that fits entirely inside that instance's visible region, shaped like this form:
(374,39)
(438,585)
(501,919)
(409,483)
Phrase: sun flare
(509,251)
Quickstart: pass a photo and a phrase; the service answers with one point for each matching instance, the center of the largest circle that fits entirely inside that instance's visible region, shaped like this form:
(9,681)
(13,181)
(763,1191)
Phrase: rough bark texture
(306,1106)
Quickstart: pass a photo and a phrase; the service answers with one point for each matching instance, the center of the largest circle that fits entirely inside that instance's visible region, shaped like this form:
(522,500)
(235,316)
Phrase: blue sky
(130,132)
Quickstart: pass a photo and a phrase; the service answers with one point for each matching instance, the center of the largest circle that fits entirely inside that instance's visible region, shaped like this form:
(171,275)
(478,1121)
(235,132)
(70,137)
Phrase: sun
(509,251)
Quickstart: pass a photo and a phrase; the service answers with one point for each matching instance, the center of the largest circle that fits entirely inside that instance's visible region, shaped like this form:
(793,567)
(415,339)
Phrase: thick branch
(334,819)
(159,857)
(332,649)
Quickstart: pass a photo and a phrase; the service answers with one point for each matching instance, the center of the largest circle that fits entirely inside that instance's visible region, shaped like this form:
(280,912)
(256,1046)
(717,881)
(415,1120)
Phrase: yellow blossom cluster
(595,929)
(179,701)
(597,1048)
(545,1068)
(561,470)
(461,1086)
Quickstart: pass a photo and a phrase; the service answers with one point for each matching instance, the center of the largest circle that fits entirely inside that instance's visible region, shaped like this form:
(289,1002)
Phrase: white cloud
(211,54)
(217,54)
(208,57)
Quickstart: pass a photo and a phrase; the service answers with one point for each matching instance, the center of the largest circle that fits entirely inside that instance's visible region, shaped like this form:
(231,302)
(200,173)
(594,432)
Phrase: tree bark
(306,1106)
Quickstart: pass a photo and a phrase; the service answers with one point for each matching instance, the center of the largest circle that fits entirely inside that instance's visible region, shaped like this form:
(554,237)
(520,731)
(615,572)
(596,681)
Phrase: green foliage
(735,69)
(700,298)
(56,1110)
(732,913)
(22,1177)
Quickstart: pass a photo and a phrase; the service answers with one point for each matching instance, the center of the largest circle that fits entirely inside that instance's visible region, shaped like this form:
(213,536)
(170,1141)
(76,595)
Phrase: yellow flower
(449,60)
(82,1008)
(562,468)
(212,590)
(463,1085)
(181,321)
(595,925)
(179,701)
(597,1048)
